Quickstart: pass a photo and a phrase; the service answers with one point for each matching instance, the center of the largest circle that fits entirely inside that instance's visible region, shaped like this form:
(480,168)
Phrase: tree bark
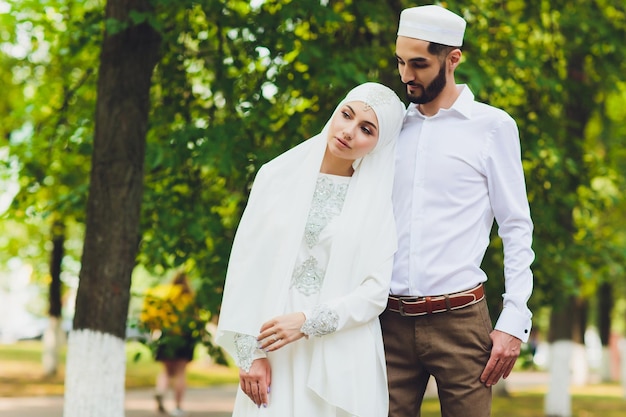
(56,259)
(96,356)
(54,336)
(605,307)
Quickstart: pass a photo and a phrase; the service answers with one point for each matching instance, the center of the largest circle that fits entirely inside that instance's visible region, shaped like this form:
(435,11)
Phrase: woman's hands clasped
(256,382)
(275,334)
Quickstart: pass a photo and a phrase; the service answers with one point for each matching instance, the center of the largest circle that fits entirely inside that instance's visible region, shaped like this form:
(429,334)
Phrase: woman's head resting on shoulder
(353,131)
(367,119)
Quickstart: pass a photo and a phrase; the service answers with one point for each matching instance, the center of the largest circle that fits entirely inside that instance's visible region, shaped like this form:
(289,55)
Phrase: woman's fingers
(255,382)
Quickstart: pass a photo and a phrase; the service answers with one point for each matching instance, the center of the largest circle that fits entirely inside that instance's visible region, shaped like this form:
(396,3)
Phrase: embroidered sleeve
(247,351)
(323,321)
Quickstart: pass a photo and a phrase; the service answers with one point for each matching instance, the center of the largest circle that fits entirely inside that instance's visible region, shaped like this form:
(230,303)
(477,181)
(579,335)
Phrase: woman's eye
(346,115)
(366,130)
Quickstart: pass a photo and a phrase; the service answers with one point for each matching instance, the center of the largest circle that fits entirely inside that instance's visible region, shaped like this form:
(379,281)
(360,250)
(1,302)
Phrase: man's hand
(504,353)
(280,331)
(256,382)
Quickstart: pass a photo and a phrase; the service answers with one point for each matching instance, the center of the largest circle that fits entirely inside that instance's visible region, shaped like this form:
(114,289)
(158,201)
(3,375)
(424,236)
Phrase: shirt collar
(462,105)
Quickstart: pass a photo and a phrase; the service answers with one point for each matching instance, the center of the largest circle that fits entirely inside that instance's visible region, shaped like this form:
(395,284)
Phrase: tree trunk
(605,307)
(54,336)
(558,401)
(567,325)
(579,363)
(558,398)
(622,351)
(94,384)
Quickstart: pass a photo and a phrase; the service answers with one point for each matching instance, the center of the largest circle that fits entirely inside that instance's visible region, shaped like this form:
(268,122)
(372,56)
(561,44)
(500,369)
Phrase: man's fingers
(495,371)
(509,369)
(492,372)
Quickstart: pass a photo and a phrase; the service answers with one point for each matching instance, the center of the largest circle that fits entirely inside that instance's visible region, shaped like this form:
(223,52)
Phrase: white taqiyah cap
(432,23)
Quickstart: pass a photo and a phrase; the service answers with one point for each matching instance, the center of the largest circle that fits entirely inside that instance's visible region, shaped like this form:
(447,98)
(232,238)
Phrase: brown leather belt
(420,306)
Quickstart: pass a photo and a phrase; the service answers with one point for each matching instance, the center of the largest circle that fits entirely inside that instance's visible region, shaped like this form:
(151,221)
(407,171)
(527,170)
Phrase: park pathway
(215,401)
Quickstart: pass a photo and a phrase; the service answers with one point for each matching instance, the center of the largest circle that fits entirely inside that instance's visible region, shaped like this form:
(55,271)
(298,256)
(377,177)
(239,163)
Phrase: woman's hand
(256,382)
(280,331)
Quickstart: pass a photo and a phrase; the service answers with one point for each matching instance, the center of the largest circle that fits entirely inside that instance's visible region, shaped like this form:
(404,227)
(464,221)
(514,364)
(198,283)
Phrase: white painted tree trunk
(95,373)
(579,365)
(622,355)
(558,401)
(53,340)
(606,374)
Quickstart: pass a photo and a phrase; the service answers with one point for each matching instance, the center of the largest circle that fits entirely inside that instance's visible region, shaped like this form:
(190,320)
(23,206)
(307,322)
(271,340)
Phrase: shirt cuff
(514,323)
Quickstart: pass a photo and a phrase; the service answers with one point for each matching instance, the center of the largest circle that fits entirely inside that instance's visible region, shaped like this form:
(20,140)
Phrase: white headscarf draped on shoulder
(270,234)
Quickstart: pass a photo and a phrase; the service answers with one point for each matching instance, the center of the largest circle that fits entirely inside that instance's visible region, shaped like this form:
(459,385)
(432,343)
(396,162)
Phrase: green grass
(141,369)
(602,400)
(21,372)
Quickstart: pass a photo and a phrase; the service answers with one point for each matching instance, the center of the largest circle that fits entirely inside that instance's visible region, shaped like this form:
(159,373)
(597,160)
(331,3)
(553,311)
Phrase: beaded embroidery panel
(327,203)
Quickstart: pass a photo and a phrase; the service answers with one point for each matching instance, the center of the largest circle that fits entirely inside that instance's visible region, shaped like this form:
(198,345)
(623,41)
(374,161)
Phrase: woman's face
(353,131)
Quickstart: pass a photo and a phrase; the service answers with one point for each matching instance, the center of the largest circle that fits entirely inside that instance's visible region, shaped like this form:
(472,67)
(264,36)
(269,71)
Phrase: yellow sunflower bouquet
(171,317)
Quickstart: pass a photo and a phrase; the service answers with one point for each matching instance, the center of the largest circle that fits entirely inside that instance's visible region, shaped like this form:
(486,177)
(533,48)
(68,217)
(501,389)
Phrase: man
(458,166)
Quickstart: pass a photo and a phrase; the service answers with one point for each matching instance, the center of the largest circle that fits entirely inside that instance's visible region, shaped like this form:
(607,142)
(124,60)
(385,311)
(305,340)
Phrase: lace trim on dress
(247,350)
(327,202)
(307,278)
(323,321)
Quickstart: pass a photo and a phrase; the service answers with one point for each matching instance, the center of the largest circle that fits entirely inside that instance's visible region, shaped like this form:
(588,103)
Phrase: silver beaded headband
(376,97)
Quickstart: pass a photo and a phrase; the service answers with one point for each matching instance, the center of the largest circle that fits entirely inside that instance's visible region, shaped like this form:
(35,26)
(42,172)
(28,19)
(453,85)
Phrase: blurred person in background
(170,314)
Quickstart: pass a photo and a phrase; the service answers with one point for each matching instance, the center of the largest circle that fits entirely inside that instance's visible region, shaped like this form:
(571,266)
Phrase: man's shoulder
(490,110)
(491,114)
(475,109)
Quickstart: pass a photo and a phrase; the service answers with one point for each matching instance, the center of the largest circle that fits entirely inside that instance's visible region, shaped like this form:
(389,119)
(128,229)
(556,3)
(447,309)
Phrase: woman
(310,267)
(169,311)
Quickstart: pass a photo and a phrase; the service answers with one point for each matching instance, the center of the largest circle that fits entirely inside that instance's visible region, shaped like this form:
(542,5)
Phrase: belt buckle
(401,307)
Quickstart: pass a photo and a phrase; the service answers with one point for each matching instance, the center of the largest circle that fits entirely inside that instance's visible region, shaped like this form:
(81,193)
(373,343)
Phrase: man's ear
(454,58)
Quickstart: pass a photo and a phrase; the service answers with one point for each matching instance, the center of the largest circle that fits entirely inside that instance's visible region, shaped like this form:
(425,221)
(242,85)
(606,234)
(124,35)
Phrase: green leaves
(238,84)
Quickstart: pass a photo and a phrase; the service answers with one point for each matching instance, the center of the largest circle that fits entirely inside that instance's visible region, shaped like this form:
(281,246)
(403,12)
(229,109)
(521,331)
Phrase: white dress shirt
(455,172)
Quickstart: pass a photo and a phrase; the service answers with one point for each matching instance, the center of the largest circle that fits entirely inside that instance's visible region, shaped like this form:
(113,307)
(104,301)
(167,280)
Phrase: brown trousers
(453,347)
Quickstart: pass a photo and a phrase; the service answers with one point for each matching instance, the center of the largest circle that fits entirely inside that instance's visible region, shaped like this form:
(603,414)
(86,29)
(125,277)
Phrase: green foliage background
(239,83)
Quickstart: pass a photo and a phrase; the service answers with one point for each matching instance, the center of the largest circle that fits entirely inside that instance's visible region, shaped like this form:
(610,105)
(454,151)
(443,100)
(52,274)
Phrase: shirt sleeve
(507,191)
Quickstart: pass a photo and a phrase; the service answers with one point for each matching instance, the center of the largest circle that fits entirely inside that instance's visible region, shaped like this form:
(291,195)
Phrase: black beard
(432,90)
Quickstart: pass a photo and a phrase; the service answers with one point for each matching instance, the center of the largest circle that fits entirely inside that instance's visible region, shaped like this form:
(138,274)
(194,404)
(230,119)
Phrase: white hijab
(272,226)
